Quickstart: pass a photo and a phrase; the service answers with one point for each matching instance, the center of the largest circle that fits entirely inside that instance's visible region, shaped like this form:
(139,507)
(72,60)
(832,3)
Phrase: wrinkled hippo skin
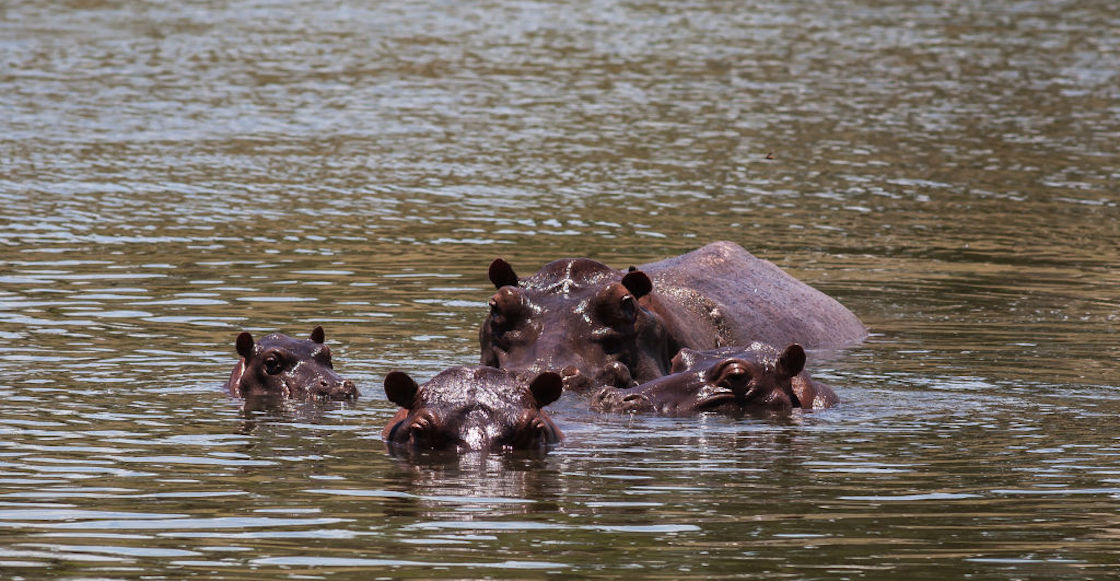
(472,408)
(282,366)
(601,326)
(732,380)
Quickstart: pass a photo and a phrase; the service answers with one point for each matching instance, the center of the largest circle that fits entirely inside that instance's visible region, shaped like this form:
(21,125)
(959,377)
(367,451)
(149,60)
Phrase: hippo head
(472,408)
(579,317)
(279,365)
(729,380)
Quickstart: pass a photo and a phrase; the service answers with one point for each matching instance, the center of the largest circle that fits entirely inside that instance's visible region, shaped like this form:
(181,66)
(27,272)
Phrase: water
(174,173)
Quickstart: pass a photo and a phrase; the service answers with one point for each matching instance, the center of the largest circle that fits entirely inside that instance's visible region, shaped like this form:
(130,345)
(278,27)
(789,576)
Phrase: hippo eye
(736,374)
(629,307)
(507,311)
(422,432)
(533,432)
(539,431)
(273,364)
(497,321)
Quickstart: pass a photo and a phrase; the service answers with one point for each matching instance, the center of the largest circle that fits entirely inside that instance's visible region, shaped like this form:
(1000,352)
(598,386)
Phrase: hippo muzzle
(336,389)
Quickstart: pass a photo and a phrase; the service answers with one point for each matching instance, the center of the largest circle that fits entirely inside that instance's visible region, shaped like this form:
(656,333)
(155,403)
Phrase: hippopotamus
(279,365)
(473,408)
(602,326)
(758,379)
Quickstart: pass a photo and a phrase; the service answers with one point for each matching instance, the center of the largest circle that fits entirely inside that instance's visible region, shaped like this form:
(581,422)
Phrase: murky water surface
(172,173)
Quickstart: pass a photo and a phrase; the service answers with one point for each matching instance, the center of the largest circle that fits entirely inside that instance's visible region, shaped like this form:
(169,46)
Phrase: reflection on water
(173,174)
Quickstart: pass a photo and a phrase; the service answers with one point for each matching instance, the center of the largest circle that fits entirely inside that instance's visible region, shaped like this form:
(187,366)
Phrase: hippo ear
(638,283)
(546,388)
(501,274)
(318,335)
(792,361)
(245,344)
(400,388)
(684,359)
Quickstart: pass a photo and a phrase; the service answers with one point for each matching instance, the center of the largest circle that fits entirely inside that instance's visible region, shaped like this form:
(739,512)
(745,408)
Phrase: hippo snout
(335,390)
(613,399)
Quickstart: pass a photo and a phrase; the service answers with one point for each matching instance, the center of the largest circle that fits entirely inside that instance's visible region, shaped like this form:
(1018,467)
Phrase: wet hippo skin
(758,379)
(600,326)
(472,408)
(286,367)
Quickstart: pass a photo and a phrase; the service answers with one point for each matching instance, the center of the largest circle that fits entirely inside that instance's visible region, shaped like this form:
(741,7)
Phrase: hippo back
(723,295)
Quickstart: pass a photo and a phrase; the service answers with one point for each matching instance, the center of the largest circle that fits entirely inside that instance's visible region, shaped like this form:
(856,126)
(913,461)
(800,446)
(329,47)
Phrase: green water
(174,173)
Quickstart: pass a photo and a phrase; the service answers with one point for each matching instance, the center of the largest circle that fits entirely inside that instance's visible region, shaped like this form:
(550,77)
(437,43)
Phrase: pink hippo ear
(318,335)
(245,344)
(501,274)
(400,388)
(546,388)
(792,361)
(638,283)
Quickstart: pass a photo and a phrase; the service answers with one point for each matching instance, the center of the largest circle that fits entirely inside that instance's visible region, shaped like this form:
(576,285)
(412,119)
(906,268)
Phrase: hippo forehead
(757,353)
(303,348)
(571,274)
(466,391)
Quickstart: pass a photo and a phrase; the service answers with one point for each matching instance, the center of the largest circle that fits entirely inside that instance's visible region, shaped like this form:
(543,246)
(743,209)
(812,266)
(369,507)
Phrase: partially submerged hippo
(472,408)
(731,380)
(602,326)
(282,366)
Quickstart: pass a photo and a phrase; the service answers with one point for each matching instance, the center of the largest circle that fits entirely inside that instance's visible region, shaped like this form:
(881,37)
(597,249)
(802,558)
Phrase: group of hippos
(714,330)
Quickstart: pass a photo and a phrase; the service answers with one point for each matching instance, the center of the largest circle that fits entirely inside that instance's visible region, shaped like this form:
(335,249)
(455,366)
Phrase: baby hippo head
(733,381)
(282,366)
(473,408)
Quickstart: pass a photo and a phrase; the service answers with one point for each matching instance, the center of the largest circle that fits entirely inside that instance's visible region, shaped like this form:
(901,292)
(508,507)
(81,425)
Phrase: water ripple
(172,174)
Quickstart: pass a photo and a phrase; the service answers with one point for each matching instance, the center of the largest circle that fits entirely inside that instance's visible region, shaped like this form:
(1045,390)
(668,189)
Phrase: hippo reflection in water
(600,326)
(472,408)
(733,380)
(282,366)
